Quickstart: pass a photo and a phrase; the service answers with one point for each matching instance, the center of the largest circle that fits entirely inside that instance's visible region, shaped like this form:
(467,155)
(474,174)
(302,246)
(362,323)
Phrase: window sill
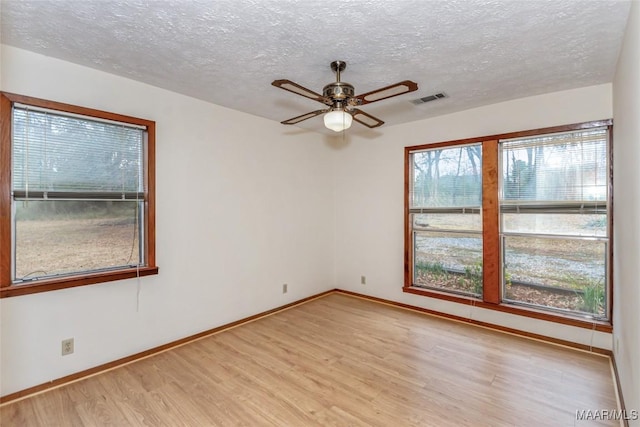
(598,325)
(47,285)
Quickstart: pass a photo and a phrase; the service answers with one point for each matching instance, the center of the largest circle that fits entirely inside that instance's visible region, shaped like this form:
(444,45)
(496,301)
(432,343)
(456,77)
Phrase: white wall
(369,185)
(626,268)
(243,205)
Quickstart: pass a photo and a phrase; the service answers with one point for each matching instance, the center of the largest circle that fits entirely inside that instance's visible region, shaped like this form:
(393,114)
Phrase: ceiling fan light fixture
(338,120)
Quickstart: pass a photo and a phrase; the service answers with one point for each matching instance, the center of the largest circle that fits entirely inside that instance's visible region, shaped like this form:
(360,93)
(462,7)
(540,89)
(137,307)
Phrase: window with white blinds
(520,222)
(77,196)
(555,215)
(57,156)
(556,172)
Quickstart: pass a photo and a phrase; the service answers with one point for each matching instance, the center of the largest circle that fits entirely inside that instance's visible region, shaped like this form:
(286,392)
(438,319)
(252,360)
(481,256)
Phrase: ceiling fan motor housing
(338,91)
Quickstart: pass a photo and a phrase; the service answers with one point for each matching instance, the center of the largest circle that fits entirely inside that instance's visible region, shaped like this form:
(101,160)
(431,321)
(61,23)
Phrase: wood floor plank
(335,361)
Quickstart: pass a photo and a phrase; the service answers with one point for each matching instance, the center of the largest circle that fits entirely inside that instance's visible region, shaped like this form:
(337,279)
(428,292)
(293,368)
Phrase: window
(445,207)
(554,210)
(518,222)
(77,196)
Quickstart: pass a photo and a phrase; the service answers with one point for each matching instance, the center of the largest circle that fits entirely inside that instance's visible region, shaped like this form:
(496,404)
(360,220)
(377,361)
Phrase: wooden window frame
(491,298)
(7,287)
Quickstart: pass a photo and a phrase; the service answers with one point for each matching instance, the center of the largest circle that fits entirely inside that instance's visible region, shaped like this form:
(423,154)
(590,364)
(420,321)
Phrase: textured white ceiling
(229,51)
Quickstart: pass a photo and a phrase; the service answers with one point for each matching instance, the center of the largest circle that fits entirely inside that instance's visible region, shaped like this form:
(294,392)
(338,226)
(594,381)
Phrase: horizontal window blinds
(447,180)
(558,170)
(67,156)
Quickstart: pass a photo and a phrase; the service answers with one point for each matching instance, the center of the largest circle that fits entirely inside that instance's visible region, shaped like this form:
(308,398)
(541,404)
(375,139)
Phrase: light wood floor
(338,361)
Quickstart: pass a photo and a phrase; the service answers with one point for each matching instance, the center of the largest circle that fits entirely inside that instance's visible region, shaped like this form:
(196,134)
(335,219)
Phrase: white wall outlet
(363,280)
(67,346)
(285,288)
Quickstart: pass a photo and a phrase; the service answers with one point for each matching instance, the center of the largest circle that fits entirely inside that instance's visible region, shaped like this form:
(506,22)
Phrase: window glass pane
(52,152)
(462,222)
(448,261)
(563,224)
(570,166)
(564,274)
(62,237)
(447,177)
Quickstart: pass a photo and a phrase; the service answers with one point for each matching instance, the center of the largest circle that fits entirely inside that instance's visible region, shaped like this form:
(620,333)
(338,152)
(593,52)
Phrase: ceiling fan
(341,100)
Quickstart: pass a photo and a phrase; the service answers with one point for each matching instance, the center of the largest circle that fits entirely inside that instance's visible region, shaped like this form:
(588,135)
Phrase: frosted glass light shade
(337,120)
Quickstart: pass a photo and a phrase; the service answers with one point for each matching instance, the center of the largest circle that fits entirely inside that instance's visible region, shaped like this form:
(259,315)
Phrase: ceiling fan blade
(306,116)
(300,90)
(366,119)
(386,92)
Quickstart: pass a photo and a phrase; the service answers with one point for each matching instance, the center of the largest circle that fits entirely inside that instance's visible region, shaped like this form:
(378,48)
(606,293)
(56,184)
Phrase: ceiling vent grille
(429,98)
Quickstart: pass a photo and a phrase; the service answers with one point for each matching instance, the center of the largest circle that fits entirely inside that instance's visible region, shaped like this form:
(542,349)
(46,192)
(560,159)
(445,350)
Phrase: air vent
(429,98)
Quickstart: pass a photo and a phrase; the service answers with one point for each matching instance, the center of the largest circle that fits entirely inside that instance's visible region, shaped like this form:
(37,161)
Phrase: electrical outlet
(285,288)
(67,346)
(363,280)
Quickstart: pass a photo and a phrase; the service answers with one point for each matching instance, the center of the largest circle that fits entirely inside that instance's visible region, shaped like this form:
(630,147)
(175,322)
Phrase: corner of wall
(626,316)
